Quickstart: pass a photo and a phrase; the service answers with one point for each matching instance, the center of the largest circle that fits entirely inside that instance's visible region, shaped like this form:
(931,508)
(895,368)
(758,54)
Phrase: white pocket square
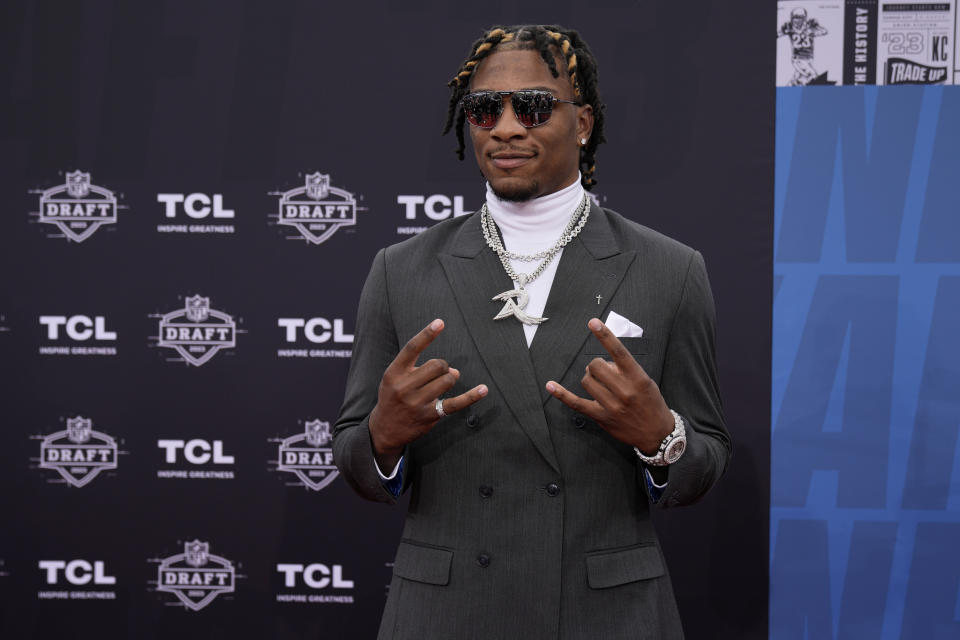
(621,327)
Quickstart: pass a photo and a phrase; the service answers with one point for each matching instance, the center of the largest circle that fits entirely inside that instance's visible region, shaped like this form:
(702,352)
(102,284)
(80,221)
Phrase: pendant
(511,308)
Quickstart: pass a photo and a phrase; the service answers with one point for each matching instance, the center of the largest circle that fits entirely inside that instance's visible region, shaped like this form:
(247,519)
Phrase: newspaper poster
(916,43)
(809,42)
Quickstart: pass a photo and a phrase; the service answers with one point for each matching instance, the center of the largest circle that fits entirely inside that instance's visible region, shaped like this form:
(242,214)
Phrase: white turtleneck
(532,226)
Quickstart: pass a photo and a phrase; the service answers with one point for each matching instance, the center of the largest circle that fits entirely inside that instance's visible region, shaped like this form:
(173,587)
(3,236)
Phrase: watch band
(672,446)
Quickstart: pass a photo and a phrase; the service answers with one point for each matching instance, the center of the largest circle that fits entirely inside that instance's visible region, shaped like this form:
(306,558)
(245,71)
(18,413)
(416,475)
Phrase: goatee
(517,194)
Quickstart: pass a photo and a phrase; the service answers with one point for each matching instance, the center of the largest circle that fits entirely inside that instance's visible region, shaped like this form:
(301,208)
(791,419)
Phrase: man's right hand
(406,402)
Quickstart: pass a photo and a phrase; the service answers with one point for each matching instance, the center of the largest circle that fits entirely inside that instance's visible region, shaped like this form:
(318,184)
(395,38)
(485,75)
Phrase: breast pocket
(644,350)
(636,346)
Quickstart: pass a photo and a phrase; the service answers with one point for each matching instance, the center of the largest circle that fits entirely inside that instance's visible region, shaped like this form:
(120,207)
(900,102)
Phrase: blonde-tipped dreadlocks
(547,40)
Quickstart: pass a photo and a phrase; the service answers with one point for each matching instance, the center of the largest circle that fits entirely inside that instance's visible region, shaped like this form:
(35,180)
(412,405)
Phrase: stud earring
(583,142)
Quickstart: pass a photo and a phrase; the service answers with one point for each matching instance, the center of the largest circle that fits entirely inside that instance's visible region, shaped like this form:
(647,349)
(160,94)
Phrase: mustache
(511,149)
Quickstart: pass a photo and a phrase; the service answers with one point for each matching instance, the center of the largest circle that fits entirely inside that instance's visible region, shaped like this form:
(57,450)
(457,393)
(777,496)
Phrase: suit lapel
(591,265)
(475,276)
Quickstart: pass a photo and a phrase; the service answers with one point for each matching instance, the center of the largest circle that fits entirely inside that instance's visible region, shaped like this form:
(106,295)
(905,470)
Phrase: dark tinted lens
(532,107)
(483,109)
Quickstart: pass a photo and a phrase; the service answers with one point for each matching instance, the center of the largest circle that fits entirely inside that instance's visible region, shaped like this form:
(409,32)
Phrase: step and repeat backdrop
(865,488)
(193,195)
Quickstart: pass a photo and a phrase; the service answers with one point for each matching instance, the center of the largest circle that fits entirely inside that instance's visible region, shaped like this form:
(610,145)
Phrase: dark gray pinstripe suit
(559,543)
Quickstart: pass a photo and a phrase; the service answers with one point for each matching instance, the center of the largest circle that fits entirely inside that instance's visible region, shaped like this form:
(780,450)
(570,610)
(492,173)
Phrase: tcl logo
(78,327)
(195,205)
(315,576)
(195,451)
(436,207)
(316,330)
(76,572)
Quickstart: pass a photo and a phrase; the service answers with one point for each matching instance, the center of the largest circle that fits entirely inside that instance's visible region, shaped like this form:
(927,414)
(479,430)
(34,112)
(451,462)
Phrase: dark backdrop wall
(173,346)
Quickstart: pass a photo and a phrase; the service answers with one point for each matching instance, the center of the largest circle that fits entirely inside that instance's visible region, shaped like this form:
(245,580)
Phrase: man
(802,32)
(483,380)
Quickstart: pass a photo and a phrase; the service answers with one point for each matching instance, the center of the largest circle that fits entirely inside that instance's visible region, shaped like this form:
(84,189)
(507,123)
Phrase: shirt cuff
(655,490)
(394,482)
(393,475)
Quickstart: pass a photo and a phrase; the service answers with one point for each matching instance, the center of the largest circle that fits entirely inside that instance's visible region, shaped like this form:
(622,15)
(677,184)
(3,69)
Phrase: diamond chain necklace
(490,234)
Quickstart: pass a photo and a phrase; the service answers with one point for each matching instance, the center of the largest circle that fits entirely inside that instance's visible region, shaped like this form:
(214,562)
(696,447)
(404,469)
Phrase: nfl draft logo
(196,576)
(77,207)
(79,453)
(196,331)
(318,186)
(316,210)
(308,455)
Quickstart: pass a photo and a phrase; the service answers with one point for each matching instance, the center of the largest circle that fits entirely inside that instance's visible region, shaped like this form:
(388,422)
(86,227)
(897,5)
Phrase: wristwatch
(672,446)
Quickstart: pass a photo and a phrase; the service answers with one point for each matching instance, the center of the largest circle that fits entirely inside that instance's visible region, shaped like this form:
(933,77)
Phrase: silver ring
(438,405)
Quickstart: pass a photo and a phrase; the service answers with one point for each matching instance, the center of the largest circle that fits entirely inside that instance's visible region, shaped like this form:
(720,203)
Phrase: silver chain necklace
(490,234)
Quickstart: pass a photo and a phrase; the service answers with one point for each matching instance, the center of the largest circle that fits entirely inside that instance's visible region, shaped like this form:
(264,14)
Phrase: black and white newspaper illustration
(809,42)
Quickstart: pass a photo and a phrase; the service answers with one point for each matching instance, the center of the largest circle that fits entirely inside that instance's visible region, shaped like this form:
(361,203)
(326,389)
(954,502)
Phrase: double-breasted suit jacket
(527,520)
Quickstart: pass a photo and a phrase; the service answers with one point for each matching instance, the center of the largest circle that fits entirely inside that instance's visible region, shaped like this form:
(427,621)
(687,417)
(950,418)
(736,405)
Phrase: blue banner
(865,463)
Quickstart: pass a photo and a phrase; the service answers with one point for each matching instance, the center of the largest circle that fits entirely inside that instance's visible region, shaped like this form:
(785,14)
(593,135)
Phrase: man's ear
(584,122)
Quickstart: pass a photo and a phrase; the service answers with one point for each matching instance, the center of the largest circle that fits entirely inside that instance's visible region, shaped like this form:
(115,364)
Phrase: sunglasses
(533,107)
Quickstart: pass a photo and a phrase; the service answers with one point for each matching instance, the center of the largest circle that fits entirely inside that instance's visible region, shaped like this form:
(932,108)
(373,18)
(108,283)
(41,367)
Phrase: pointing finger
(411,351)
(589,408)
(464,400)
(620,354)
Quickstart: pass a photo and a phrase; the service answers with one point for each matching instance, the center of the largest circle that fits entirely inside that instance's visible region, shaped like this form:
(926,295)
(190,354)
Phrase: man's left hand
(626,401)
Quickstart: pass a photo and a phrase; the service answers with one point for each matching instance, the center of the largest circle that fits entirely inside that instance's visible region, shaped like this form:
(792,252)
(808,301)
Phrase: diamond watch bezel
(665,452)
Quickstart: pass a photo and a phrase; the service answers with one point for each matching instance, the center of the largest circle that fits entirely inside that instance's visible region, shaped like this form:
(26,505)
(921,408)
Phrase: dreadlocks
(581,67)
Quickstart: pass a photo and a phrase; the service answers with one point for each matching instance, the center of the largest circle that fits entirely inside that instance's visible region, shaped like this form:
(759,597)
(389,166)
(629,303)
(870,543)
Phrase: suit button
(483,560)
(486,491)
(553,490)
(473,421)
(579,421)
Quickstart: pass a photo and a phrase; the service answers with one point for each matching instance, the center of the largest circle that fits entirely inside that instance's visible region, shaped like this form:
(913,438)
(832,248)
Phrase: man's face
(521,163)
